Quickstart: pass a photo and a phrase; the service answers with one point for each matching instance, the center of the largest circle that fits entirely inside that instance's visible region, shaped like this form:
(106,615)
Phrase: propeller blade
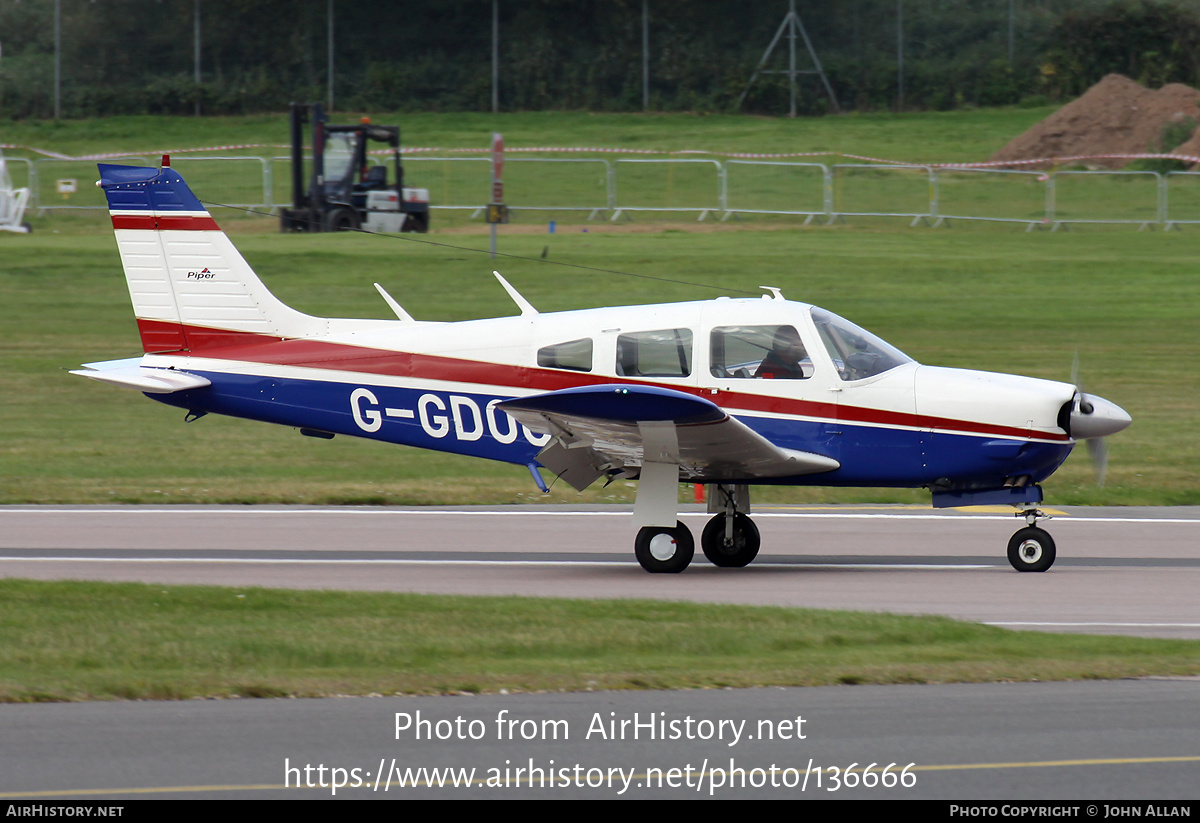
(1092,419)
(1098,451)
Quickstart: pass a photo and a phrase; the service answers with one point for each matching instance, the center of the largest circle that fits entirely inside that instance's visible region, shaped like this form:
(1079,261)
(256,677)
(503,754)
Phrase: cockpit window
(856,353)
(575,355)
(770,352)
(663,353)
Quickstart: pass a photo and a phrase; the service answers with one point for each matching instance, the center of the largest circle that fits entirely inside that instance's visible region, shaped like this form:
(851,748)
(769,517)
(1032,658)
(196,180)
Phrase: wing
(613,429)
(130,374)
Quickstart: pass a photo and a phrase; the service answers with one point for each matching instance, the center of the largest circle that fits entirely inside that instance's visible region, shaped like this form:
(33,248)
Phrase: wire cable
(503,254)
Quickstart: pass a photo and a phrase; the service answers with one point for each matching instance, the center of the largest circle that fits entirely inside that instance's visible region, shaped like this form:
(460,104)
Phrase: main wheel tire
(663,550)
(1031,550)
(341,219)
(745,542)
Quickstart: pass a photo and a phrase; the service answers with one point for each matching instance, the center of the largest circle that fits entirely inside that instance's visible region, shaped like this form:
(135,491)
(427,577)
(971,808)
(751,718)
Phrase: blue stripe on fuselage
(881,456)
(467,423)
(459,422)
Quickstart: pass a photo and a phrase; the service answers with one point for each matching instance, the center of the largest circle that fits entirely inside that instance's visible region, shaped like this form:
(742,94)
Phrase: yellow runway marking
(949,767)
(1108,761)
(903,507)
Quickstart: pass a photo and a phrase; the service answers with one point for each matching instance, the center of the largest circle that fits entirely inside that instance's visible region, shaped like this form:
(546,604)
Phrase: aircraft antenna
(396,308)
(527,309)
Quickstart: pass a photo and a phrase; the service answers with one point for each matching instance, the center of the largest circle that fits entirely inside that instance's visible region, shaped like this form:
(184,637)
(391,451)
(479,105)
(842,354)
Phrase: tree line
(139,57)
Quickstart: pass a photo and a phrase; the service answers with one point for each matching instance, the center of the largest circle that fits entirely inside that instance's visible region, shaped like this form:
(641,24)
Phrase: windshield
(856,352)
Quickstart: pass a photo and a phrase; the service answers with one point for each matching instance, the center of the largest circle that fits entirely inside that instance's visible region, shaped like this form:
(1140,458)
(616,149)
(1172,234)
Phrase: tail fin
(191,289)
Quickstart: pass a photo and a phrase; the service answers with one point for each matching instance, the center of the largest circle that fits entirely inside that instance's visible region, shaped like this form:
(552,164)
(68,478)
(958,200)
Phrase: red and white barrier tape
(983,164)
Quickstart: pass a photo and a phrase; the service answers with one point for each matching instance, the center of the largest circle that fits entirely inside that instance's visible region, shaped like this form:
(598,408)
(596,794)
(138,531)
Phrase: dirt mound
(1115,116)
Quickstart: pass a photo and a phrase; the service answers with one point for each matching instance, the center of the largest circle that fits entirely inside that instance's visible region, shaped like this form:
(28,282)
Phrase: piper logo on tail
(204,274)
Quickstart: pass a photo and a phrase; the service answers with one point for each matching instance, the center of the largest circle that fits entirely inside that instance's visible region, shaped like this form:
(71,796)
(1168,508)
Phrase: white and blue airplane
(725,392)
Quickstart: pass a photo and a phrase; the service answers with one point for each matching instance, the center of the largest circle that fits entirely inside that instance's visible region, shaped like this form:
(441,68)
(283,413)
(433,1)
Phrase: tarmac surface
(993,743)
(1119,570)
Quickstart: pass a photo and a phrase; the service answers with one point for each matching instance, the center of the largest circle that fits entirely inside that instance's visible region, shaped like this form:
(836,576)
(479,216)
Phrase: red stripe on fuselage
(164,222)
(322,354)
(161,337)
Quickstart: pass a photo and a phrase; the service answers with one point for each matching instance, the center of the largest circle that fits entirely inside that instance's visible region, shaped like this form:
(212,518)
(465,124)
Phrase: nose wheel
(1031,550)
(730,540)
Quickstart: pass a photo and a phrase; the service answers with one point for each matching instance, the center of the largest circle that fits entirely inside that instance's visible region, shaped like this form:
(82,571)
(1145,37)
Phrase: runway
(1119,571)
(998,742)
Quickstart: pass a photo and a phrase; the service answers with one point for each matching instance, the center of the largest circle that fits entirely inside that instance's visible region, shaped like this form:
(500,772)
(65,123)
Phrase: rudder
(191,289)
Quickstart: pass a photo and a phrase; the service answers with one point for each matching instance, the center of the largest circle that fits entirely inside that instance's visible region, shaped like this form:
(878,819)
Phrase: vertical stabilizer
(191,289)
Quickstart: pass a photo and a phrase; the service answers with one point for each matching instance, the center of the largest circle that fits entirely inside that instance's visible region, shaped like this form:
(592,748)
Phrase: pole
(645,55)
(1012,14)
(496,211)
(329,48)
(899,55)
(495,56)
(196,50)
(792,58)
(57,59)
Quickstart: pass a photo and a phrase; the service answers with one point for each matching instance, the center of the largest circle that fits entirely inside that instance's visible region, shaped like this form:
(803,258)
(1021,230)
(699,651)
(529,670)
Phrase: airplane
(726,392)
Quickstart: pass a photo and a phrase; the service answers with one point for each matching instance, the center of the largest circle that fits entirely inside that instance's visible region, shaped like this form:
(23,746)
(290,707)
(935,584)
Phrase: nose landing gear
(1031,549)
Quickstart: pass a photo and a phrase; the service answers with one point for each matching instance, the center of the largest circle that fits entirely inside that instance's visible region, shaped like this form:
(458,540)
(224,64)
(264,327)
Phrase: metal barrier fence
(659,185)
(20,171)
(619,189)
(802,189)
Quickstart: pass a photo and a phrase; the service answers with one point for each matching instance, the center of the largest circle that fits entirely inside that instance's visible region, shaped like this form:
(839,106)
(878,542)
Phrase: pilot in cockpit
(783,362)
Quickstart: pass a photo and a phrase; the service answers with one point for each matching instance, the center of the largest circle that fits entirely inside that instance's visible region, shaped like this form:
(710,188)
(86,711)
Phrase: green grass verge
(83,641)
(975,296)
(929,137)
(1000,300)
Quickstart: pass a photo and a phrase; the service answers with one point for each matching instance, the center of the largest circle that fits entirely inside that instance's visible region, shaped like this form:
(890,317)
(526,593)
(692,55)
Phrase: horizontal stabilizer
(132,375)
(611,429)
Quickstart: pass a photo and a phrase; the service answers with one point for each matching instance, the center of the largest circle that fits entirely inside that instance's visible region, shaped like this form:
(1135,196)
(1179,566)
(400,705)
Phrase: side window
(767,352)
(663,353)
(575,355)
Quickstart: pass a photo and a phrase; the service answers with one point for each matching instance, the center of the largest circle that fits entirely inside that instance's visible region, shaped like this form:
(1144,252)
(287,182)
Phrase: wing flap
(600,430)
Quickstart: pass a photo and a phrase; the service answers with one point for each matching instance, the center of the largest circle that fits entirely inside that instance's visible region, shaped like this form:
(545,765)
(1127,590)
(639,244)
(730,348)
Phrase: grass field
(921,137)
(1000,300)
(80,641)
(976,295)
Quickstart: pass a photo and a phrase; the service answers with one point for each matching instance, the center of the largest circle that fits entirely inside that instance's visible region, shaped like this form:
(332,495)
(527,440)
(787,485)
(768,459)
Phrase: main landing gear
(663,550)
(730,539)
(1031,549)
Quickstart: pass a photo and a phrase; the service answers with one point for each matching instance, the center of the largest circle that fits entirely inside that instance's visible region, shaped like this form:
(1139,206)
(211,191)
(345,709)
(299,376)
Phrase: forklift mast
(338,194)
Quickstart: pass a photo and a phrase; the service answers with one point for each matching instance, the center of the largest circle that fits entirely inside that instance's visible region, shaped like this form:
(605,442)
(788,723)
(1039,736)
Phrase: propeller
(1092,419)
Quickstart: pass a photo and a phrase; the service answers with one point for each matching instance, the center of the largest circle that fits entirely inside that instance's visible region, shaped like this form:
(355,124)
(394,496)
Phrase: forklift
(345,193)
